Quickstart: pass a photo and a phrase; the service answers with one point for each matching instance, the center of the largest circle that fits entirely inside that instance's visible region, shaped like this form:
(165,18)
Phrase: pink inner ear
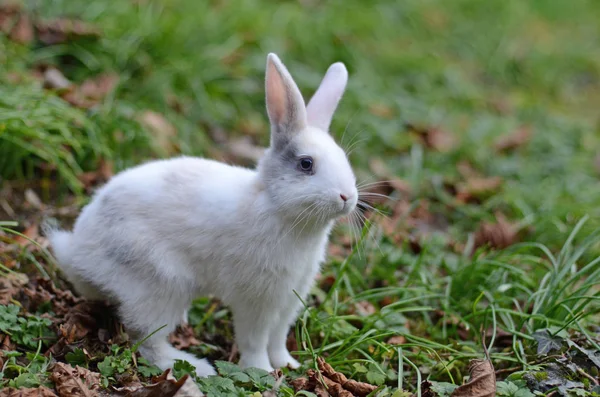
(276,99)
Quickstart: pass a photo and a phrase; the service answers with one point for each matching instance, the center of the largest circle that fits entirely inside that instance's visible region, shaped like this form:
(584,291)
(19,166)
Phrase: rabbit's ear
(285,105)
(321,107)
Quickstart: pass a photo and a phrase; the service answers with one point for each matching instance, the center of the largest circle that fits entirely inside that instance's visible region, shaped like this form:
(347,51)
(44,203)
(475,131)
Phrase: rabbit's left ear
(285,104)
(322,105)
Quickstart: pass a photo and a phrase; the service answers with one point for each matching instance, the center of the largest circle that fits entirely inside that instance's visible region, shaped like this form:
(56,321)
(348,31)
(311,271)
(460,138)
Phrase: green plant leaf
(547,342)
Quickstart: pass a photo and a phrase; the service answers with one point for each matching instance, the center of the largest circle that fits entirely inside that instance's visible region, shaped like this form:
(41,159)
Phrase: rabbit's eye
(306,164)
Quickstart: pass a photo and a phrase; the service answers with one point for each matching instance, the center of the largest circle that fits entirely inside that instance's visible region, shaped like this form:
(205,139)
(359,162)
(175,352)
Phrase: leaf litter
(327,381)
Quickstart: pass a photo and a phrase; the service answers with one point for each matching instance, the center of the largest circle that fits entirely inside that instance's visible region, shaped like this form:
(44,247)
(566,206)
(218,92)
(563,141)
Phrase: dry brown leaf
(78,322)
(397,340)
(161,130)
(62,30)
(41,391)
(31,232)
(381,110)
(477,187)
(365,308)
(101,175)
(6,344)
(55,80)
(513,141)
(381,171)
(183,337)
(99,86)
(10,286)
(75,382)
(22,32)
(166,385)
(9,11)
(300,384)
(434,137)
(482,381)
(497,235)
(426,389)
(92,91)
(32,199)
(336,389)
(42,291)
(360,389)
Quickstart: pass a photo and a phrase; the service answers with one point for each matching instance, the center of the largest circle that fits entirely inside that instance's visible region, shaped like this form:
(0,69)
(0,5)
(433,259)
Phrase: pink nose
(344,197)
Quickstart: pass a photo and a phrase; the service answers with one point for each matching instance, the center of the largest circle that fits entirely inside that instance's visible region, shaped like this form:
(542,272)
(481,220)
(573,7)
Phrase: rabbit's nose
(344,197)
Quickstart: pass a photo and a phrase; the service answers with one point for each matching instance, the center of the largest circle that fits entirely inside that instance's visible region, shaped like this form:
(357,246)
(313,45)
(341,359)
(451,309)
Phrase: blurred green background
(477,70)
(496,101)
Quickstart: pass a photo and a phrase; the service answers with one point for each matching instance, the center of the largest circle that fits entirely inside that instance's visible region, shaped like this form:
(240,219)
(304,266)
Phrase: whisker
(370,207)
(346,129)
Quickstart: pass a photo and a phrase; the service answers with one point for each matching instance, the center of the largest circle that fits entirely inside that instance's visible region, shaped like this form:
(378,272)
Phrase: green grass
(478,70)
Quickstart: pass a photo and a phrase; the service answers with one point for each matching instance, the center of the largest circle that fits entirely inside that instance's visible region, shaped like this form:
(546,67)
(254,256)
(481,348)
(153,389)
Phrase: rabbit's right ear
(285,105)
(322,105)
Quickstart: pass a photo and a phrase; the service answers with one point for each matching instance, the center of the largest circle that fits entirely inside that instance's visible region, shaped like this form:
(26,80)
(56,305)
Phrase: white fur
(160,234)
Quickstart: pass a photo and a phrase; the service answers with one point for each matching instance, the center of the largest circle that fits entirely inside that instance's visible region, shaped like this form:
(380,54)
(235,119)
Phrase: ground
(477,122)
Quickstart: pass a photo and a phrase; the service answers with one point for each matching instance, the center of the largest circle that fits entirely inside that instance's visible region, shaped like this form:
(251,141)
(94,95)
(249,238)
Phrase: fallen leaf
(434,137)
(9,11)
(22,32)
(63,30)
(10,285)
(31,232)
(166,385)
(300,384)
(161,130)
(477,187)
(33,200)
(381,110)
(42,291)
(513,141)
(496,235)
(78,322)
(100,176)
(41,391)
(55,80)
(365,308)
(335,389)
(91,91)
(183,337)
(482,381)
(397,340)
(381,171)
(75,382)
(427,389)
(360,389)
(99,86)
(6,344)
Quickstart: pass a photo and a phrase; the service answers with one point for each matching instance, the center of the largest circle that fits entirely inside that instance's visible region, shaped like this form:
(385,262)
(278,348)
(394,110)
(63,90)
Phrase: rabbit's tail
(61,242)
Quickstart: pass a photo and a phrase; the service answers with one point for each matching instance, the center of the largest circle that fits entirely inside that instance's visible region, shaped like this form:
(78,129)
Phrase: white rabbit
(160,234)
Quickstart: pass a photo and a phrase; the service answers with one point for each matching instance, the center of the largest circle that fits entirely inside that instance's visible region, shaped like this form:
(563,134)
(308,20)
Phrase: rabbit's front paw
(256,361)
(282,358)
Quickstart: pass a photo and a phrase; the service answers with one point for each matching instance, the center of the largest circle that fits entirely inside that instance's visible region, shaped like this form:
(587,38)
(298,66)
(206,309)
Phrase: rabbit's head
(306,174)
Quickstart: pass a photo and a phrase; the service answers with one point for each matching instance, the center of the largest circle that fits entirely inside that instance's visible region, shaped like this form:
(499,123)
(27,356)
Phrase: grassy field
(482,115)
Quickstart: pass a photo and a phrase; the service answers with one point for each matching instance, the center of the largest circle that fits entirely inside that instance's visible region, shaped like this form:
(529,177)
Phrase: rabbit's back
(194,223)
(156,218)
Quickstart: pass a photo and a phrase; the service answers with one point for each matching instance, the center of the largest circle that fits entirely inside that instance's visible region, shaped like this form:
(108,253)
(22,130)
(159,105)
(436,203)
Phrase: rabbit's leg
(252,321)
(278,353)
(145,315)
